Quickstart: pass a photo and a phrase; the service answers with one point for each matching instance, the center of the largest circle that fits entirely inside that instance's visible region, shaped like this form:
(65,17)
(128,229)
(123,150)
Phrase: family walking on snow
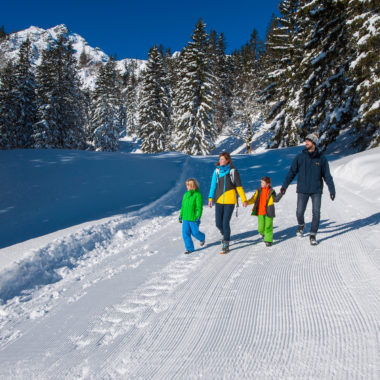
(310,165)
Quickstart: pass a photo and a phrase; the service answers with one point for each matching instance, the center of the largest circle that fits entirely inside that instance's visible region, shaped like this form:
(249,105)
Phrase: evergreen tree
(154,105)
(131,104)
(129,85)
(17,101)
(87,109)
(247,111)
(327,91)
(60,100)
(173,66)
(104,126)
(321,81)
(280,85)
(8,115)
(222,71)
(195,97)
(3,35)
(364,27)
(25,106)
(84,60)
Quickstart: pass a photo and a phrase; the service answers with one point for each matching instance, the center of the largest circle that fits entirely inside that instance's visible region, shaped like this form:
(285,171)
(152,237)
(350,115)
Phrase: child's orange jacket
(269,208)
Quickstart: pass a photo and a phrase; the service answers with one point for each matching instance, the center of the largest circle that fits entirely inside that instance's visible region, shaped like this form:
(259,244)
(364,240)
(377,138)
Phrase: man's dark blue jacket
(311,168)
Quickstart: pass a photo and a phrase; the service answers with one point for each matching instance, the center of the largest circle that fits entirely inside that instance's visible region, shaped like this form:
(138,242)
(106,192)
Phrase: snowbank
(43,191)
(361,172)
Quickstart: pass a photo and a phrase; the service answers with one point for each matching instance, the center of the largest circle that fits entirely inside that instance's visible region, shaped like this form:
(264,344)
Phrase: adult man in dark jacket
(312,168)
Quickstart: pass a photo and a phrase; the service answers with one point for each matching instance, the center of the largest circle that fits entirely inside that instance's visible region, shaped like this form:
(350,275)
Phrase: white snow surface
(114,297)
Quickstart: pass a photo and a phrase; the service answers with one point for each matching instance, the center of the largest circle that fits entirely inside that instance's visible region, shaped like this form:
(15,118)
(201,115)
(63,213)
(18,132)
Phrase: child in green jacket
(190,216)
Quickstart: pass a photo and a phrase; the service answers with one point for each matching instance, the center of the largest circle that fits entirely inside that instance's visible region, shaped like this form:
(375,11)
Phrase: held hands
(245,204)
(180,219)
(282,191)
(198,221)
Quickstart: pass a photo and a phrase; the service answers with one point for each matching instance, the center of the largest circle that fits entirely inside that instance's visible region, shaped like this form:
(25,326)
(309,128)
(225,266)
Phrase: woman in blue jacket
(224,185)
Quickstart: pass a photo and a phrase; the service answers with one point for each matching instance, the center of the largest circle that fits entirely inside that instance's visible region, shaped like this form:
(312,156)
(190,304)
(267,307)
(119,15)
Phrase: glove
(180,219)
(198,221)
(332,196)
(282,191)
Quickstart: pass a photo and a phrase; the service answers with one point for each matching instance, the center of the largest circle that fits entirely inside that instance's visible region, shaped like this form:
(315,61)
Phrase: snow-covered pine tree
(8,114)
(247,111)
(129,84)
(73,131)
(131,100)
(104,125)
(59,98)
(3,34)
(46,132)
(364,26)
(25,106)
(154,105)
(222,71)
(280,88)
(327,91)
(121,93)
(195,97)
(170,63)
(87,109)
(174,66)
(84,59)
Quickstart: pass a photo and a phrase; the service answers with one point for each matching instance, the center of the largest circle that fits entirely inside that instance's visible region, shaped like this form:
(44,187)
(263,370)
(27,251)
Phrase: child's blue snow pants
(188,229)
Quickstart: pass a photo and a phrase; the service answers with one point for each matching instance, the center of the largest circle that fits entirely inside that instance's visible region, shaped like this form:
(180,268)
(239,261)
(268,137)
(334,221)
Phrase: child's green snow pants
(265,227)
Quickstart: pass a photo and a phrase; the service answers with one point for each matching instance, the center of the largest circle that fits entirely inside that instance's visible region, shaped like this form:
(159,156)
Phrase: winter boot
(225,247)
(313,240)
(268,243)
(300,230)
(202,243)
(188,252)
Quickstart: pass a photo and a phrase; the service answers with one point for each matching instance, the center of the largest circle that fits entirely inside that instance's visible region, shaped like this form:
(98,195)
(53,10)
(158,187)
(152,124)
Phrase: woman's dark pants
(223,215)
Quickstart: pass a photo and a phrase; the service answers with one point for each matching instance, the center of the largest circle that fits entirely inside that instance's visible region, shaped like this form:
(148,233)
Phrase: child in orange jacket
(263,201)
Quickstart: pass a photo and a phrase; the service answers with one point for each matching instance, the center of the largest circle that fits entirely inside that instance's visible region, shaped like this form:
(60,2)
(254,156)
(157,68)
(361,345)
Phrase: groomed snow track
(137,308)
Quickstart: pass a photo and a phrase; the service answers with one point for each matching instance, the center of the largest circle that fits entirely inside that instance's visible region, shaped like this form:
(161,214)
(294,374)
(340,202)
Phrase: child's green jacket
(192,205)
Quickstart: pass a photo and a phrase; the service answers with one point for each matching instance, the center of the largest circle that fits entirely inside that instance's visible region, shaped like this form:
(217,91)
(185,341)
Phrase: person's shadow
(236,241)
(245,239)
(344,228)
(250,238)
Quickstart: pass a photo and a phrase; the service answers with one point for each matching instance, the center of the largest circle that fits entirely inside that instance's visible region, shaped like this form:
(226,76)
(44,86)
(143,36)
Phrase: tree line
(318,70)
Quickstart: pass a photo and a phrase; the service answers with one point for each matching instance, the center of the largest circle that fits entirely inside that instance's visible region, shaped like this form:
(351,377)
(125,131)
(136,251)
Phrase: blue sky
(130,28)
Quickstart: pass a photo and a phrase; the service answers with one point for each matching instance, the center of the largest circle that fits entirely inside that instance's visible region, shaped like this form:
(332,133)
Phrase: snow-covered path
(137,308)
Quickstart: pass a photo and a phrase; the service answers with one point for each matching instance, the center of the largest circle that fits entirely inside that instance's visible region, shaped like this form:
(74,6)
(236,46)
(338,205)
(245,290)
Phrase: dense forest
(317,70)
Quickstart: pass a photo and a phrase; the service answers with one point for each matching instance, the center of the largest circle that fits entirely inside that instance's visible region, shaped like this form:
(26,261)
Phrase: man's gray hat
(312,137)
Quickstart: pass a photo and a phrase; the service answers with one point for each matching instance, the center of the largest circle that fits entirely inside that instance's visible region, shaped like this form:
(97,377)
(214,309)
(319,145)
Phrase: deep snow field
(94,283)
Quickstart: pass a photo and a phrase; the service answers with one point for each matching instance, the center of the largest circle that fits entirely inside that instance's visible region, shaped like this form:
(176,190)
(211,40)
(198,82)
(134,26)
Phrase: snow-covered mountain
(41,39)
